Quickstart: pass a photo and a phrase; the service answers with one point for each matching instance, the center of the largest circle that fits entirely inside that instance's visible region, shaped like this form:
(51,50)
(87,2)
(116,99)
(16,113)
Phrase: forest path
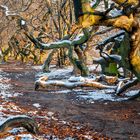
(62,114)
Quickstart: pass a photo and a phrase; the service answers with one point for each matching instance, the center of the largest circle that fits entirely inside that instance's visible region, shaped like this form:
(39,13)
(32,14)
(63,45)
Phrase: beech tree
(47,20)
(87,16)
(126,17)
(128,20)
(125,52)
(122,15)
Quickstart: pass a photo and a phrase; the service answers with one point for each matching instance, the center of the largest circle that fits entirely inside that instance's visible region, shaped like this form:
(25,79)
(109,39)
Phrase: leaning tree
(122,14)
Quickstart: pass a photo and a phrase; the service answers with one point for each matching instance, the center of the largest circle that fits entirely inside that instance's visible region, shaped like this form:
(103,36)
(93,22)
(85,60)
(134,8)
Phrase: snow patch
(9,138)
(93,95)
(63,91)
(57,73)
(93,3)
(78,37)
(63,73)
(60,72)
(23,22)
(32,112)
(60,42)
(26,137)
(98,95)
(2,108)
(16,130)
(76,79)
(22,136)
(82,79)
(37,67)
(115,13)
(2,118)
(131,93)
(50,114)
(5,87)
(37,105)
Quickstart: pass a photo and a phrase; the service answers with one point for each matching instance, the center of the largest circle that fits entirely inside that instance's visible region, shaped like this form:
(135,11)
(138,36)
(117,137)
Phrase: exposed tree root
(19,121)
(126,86)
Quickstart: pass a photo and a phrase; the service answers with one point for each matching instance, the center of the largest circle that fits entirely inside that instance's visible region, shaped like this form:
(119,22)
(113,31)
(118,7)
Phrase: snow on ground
(100,95)
(6,106)
(5,94)
(97,95)
(22,136)
(8,109)
(5,87)
(93,95)
(61,73)
(103,95)
(81,95)
(89,95)
(131,93)
(57,73)
(37,105)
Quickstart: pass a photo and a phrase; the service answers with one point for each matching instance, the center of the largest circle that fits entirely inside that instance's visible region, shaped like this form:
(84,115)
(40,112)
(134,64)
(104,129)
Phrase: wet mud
(63,114)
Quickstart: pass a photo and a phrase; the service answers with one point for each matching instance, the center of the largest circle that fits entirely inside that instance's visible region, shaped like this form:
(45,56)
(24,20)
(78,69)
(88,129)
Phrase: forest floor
(64,114)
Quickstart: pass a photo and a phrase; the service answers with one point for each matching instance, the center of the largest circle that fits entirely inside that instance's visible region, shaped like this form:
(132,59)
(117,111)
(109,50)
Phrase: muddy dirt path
(63,114)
